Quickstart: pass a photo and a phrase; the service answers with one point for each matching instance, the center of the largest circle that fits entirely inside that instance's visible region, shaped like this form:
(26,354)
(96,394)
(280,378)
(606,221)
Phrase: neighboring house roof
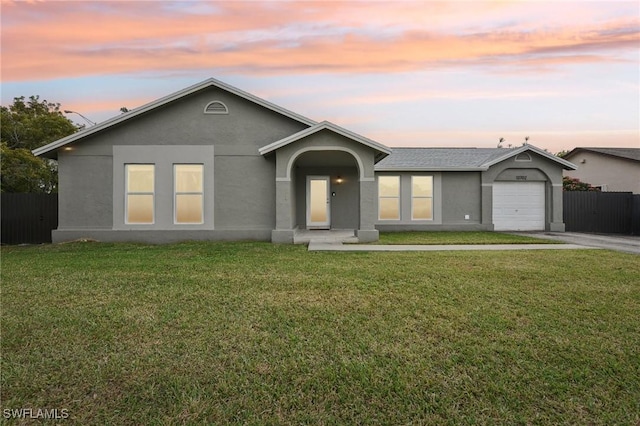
(51,148)
(325,125)
(626,153)
(457,159)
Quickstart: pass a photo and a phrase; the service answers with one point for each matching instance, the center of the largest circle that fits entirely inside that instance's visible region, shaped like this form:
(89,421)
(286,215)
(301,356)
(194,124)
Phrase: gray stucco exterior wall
(458,195)
(256,160)
(455,194)
(85,191)
(461,198)
(244,195)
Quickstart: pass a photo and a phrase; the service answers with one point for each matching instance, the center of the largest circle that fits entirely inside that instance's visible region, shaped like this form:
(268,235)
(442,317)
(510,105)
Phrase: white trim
(324,148)
(514,152)
(430,169)
(322,126)
(211,82)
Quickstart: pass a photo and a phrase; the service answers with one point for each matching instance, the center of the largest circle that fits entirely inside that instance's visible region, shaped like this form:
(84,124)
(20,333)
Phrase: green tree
(25,125)
(574,184)
(23,172)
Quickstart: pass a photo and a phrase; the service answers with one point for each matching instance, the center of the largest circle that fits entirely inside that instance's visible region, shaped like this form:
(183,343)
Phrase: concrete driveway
(623,243)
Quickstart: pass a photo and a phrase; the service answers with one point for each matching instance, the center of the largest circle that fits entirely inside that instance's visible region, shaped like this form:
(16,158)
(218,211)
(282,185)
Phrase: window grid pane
(422,186)
(389,186)
(389,209)
(139,208)
(422,208)
(189,178)
(189,208)
(140,178)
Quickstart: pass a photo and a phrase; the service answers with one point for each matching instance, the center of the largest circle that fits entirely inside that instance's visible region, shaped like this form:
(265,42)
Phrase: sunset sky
(415,73)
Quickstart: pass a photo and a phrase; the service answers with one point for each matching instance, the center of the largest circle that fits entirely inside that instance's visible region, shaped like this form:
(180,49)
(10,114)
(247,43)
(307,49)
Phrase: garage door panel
(518,206)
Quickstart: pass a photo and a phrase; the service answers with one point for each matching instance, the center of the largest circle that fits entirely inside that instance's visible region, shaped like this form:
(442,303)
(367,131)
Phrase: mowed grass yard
(448,238)
(255,333)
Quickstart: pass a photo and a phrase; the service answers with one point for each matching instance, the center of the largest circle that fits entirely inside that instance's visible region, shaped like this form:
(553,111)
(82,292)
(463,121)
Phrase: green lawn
(446,237)
(255,333)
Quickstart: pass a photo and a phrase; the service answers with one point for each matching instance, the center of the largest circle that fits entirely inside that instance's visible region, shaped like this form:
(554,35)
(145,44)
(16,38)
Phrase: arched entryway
(520,200)
(326,189)
(342,162)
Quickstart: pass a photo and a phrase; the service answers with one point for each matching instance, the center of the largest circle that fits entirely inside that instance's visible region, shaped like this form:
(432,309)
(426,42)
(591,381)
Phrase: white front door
(318,202)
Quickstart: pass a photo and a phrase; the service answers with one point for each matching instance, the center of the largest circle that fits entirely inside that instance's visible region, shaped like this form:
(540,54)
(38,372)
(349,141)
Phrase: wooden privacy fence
(28,218)
(602,212)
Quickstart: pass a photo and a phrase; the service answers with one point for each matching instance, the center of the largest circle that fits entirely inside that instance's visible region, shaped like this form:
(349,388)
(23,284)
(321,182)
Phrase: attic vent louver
(216,107)
(523,157)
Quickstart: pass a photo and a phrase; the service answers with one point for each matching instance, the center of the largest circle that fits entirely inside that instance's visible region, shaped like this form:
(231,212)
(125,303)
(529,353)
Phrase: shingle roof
(628,153)
(324,125)
(439,158)
(50,150)
(433,159)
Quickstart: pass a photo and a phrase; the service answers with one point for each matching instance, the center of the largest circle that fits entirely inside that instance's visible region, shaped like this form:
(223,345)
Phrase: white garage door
(518,206)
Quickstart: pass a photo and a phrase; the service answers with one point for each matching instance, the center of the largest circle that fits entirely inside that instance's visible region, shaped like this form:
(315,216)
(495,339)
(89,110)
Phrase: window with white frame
(140,194)
(421,197)
(389,197)
(189,193)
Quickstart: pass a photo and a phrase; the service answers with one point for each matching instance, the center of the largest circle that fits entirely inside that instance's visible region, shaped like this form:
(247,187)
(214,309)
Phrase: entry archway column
(556,222)
(283,232)
(367,232)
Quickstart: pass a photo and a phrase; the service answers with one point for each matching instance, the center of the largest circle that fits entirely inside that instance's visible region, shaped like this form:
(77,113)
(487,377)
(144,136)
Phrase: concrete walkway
(334,236)
(345,240)
(617,242)
(324,246)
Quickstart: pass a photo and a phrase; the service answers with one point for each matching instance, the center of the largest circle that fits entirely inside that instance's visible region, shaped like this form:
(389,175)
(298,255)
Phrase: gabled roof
(457,159)
(211,82)
(566,164)
(325,125)
(626,153)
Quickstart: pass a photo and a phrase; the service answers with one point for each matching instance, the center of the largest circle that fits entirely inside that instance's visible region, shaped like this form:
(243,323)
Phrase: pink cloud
(111,106)
(70,39)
